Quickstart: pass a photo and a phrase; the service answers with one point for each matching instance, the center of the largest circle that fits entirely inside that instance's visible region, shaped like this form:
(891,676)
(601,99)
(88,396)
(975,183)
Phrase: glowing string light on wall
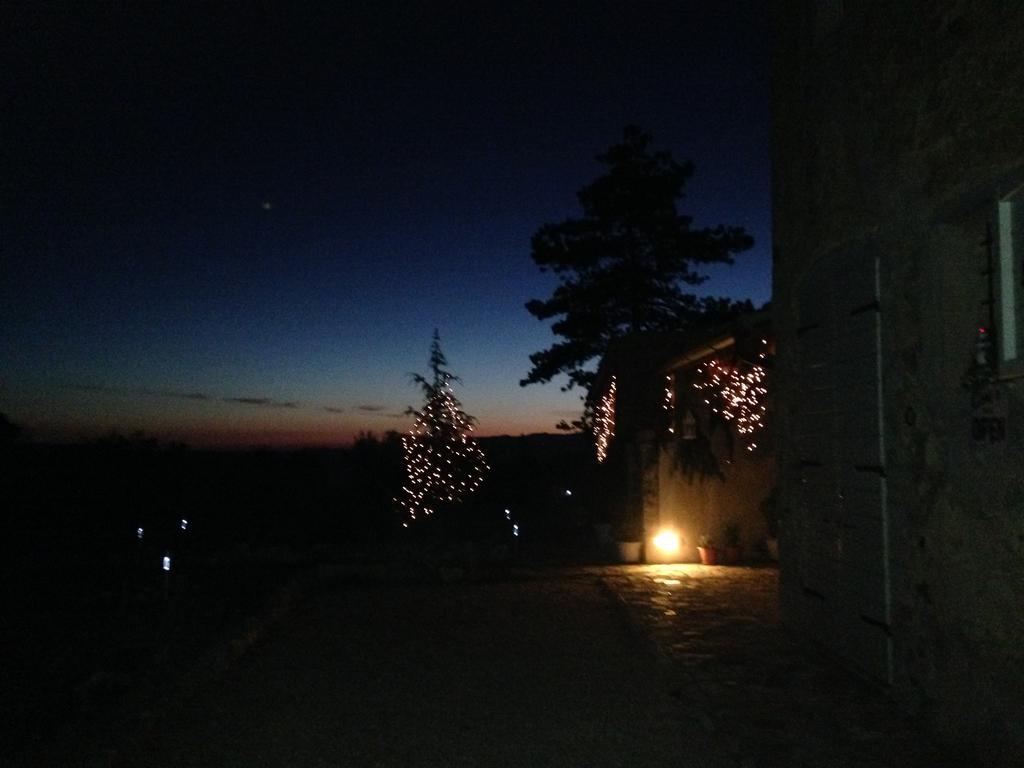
(604,422)
(737,393)
(668,403)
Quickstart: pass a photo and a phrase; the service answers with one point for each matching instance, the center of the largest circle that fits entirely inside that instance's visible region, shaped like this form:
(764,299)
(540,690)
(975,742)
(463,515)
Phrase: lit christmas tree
(443,463)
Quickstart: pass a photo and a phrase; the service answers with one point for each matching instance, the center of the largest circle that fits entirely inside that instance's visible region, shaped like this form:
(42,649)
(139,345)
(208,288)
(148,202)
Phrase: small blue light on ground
(184,524)
(508,514)
(139,533)
(568,492)
(167,562)
(515,529)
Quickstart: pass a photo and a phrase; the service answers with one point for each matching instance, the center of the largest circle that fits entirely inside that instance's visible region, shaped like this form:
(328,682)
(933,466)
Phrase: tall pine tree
(625,265)
(443,463)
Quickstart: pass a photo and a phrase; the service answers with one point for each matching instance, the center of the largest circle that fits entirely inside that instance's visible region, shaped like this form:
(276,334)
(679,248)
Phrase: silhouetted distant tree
(9,431)
(369,480)
(443,463)
(624,266)
(136,441)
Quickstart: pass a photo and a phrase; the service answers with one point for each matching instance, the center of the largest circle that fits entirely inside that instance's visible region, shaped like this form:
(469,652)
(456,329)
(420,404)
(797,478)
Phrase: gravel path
(519,673)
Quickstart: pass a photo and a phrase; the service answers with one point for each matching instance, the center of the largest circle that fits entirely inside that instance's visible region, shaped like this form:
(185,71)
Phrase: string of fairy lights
(604,422)
(737,392)
(668,403)
(443,463)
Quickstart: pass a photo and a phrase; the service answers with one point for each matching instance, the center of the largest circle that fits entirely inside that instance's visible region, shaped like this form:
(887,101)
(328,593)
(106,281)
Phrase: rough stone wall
(898,126)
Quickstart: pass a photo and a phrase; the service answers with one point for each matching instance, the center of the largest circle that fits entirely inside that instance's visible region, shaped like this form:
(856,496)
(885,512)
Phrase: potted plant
(707,549)
(733,551)
(628,542)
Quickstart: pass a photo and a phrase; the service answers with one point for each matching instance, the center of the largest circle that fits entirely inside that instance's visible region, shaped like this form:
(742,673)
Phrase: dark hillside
(92,619)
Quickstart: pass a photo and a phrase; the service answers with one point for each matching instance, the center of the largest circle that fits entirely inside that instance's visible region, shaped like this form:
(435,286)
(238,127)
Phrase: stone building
(696,462)
(898,163)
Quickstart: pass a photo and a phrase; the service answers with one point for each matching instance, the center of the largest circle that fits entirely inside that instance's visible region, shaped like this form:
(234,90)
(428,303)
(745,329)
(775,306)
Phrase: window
(1010,239)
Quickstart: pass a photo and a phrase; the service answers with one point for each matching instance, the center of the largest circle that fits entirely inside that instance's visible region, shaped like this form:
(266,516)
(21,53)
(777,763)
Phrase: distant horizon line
(139,437)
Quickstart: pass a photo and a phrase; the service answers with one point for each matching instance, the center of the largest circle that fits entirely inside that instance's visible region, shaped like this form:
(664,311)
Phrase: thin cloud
(370,408)
(262,402)
(88,387)
(197,396)
(175,394)
(333,409)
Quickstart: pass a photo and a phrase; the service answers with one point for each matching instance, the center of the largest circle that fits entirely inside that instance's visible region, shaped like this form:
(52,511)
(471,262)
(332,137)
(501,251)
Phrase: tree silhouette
(623,265)
(443,463)
(9,431)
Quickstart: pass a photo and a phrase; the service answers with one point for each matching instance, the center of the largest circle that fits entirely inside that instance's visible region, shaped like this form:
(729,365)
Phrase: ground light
(667,541)
(667,544)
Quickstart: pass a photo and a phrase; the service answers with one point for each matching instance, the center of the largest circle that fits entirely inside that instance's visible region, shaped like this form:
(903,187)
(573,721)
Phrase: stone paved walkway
(537,671)
(768,700)
(681,665)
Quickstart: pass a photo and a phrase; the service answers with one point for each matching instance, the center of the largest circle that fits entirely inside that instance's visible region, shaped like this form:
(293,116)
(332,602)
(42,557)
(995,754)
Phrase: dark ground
(539,672)
(261,650)
(587,666)
(93,631)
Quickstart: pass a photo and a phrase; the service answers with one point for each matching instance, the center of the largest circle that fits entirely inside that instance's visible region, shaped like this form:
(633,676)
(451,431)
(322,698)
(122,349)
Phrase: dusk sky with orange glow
(233,227)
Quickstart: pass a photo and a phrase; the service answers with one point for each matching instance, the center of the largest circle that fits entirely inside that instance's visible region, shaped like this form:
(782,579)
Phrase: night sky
(241,226)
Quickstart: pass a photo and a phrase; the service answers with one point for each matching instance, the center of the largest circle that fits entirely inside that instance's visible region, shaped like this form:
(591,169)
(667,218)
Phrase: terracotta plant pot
(708,555)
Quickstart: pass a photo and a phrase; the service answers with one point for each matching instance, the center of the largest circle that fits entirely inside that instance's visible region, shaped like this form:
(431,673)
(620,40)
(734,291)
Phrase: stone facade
(897,128)
(658,476)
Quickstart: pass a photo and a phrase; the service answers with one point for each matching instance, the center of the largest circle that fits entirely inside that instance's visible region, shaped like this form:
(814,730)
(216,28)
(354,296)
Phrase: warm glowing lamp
(667,541)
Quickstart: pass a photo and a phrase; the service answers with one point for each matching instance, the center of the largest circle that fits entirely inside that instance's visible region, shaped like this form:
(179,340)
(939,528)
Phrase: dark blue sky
(239,226)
